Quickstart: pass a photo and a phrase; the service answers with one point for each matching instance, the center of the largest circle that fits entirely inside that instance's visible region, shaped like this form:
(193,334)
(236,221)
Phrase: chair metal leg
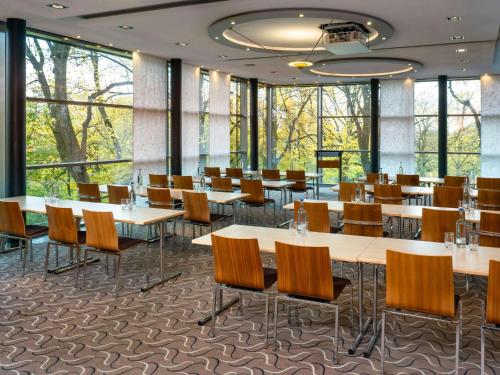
(85,268)
(31,251)
(336,348)
(352,310)
(275,342)
(458,338)
(47,254)
(77,268)
(25,257)
(183,234)
(274,213)
(147,264)
(214,308)
(382,344)
(266,317)
(482,349)
(118,261)
(107,265)
(240,305)
(57,255)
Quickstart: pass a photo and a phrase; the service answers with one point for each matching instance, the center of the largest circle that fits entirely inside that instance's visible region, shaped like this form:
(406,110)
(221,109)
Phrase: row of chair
(489,183)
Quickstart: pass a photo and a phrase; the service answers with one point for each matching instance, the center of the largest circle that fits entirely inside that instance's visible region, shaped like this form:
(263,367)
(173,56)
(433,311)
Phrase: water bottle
(203,183)
(140,179)
(357,194)
(132,194)
(400,171)
(381,177)
(461,229)
(301,219)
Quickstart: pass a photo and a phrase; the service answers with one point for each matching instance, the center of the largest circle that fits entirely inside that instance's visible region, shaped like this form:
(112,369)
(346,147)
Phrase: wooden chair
(363,219)
(212,172)
(491,312)
(161,198)
(435,223)
(116,193)
(489,229)
(12,226)
(488,199)
(408,179)
(238,266)
(89,192)
(234,172)
(454,181)
(102,237)
(158,180)
(256,197)
(183,182)
(273,175)
(63,231)
(488,183)
(372,178)
(318,217)
(305,276)
(197,212)
(347,191)
(420,284)
(300,185)
(222,184)
(388,194)
(447,196)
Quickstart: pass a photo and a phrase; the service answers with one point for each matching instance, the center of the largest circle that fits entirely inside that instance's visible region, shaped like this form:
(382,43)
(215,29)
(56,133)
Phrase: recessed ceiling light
(369,23)
(461,50)
(182,44)
(126,27)
(217,70)
(66,38)
(323,64)
(248,49)
(384,38)
(137,50)
(57,6)
(233,22)
(216,38)
(300,64)
(202,66)
(415,70)
(457,37)
(455,18)
(316,82)
(301,15)
(110,44)
(98,46)
(78,37)
(409,64)
(463,69)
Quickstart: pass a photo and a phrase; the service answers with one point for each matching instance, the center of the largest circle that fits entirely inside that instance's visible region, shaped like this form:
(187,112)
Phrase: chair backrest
(234,172)
(222,184)
(299,177)
(488,183)
(89,192)
(159,198)
(237,262)
(116,193)
(408,179)
(387,194)
(158,180)
(435,223)
(372,178)
(196,206)
(62,225)
(493,296)
(271,174)
(488,199)
(11,219)
(420,283)
(489,229)
(304,271)
(212,171)
(101,230)
(363,219)
(347,191)
(318,218)
(183,182)
(447,196)
(456,181)
(254,188)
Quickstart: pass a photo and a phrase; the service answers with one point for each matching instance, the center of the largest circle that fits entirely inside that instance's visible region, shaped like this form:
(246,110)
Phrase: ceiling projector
(346,38)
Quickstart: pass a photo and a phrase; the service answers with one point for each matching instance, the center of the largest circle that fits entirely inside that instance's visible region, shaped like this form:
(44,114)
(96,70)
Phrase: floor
(52,328)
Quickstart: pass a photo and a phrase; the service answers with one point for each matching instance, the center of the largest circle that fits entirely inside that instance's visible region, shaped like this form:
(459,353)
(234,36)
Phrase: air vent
(250,64)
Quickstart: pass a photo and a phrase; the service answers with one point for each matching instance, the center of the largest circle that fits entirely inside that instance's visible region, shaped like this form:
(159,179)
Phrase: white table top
(393,210)
(213,196)
(138,216)
(464,260)
(342,247)
(406,190)
(266,184)
(415,212)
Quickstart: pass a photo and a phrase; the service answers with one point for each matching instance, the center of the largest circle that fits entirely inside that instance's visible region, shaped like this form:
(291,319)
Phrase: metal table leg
(162,278)
(70,265)
(363,325)
(221,307)
(376,326)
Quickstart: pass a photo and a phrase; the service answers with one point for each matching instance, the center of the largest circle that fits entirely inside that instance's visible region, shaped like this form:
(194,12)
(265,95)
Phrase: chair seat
(457,300)
(260,204)
(300,190)
(125,243)
(213,218)
(339,284)
(35,230)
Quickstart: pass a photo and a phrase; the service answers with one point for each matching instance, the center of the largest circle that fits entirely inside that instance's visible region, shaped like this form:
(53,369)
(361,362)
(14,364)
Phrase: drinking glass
(449,239)
(473,241)
(54,194)
(125,203)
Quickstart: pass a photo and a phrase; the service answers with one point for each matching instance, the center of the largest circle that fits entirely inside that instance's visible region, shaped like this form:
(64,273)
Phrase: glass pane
(464,97)
(235,98)
(461,164)
(426,98)
(204,140)
(346,100)
(463,133)
(294,128)
(262,112)
(426,133)
(204,92)
(235,141)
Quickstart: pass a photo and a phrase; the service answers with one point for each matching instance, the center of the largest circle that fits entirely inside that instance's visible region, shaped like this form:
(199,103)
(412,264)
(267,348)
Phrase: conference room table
(142,216)
(423,180)
(361,250)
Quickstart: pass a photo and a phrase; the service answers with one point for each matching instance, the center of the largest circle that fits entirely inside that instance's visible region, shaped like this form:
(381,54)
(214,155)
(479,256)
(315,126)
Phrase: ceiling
(421,33)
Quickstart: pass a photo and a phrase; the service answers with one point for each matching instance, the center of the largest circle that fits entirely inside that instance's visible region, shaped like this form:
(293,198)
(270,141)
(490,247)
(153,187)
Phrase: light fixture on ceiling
(455,18)
(457,37)
(57,6)
(384,38)
(110,44)
(66,38)
(126,27)
(300,64)
(233,23)
(78,37)
(463,69)
(182,44)
(461,50)
(216,38)
(247,49)
(98,46)
(369,23)
(138,50)
(301,15)
(222,56)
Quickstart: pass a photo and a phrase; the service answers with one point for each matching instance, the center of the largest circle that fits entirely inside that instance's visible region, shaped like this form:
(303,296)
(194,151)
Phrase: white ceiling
(421,32)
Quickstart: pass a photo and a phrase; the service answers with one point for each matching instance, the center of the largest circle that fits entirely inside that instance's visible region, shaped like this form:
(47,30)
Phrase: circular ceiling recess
(290,30)
(364,67)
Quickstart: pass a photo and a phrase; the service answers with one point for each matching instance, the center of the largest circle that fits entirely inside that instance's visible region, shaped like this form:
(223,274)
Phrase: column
(3,141)
(490,125)
(190,118)
(375,125)
(176,116)
(220,86)
(397,129)
(254,124)
(443,126)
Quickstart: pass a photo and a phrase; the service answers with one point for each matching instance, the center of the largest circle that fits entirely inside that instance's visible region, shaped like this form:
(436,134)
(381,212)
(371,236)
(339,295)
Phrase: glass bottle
(140,179)
(301,219)
(132,194)
(202,182)
(461,229)
(381,177)
(400,171)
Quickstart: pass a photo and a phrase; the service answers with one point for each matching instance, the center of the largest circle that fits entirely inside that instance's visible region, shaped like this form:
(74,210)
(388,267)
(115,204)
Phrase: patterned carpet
(51,328)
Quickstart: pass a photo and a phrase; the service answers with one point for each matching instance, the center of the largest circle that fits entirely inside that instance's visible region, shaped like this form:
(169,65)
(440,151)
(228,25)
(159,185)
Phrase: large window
(262,111)
(426,104)
(238,128)
(464,127)
(346,124)
(2,112)
(294,128)
(79,116)
(204,133)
